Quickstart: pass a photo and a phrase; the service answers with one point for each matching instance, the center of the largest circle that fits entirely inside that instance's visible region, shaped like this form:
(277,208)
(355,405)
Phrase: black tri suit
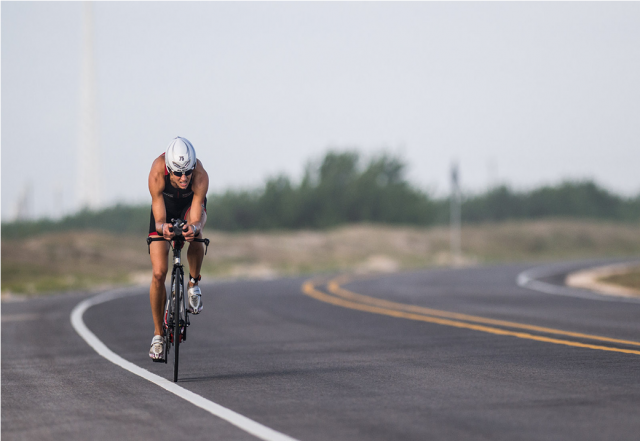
(177,202)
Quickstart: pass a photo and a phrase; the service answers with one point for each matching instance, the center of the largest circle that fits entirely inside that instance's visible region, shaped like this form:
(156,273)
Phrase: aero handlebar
(176,226)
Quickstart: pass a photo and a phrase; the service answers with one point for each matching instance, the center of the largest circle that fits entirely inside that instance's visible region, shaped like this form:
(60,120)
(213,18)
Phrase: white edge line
(240,421)
(528,279)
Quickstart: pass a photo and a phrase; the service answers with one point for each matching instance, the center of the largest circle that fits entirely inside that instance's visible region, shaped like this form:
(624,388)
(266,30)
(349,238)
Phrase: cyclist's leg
(159,252)
(195,254)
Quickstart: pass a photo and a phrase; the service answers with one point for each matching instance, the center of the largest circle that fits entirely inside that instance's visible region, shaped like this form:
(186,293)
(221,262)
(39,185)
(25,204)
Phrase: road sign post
(455,216)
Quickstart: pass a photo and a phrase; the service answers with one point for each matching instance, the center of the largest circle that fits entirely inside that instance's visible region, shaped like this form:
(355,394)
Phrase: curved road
(440,354)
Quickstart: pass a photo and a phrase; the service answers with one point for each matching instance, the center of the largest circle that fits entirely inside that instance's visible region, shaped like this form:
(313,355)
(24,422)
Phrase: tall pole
(455,202)
(88,188)
(23,205)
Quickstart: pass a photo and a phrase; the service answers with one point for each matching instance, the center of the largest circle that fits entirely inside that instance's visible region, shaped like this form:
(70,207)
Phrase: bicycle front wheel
(177,314)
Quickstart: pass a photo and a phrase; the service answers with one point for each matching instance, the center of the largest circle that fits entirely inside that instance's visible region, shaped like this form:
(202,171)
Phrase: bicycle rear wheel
(177,314)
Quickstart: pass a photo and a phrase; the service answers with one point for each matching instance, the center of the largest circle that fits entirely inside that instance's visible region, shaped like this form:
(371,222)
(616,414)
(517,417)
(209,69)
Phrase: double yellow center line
(342,297)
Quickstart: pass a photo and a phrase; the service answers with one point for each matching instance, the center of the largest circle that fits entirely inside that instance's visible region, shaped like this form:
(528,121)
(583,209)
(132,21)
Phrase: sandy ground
(594,279)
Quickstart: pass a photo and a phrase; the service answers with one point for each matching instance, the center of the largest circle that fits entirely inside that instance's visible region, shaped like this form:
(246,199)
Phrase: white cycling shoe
(157,348)
(195,300)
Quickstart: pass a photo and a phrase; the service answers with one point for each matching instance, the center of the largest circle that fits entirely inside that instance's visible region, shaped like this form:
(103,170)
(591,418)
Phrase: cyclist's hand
(189,233)
(167,231)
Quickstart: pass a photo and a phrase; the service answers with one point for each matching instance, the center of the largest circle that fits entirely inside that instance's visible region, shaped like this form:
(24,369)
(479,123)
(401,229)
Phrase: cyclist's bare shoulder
(200,179)
(156,175)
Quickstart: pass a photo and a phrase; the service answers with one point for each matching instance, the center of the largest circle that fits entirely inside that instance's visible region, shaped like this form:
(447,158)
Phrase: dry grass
(63,261)
(550,239)
(69,261)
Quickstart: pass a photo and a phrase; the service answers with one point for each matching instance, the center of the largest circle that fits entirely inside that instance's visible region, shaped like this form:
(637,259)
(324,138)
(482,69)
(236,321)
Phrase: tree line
(342,188)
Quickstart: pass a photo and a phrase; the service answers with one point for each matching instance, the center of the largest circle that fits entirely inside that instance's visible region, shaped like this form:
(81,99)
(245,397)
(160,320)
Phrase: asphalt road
(316,370)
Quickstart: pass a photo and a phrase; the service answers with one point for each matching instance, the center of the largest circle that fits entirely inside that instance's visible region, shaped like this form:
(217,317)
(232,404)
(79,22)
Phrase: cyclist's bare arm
(156,186)
(200,186)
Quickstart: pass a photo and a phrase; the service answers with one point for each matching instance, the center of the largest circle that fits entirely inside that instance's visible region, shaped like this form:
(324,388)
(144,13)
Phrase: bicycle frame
(177,273)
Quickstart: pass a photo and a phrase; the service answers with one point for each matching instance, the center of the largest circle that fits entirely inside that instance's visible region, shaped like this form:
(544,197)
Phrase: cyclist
(178,184)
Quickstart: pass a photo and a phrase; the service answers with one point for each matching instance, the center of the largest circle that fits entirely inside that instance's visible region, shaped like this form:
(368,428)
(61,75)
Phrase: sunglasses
(179,174)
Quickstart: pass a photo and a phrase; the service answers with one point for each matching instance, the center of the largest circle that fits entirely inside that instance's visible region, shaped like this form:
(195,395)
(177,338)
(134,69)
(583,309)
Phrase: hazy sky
(522,93)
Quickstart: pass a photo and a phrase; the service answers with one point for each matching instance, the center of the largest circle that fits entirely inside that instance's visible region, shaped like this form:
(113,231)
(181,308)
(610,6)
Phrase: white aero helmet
(180,155)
